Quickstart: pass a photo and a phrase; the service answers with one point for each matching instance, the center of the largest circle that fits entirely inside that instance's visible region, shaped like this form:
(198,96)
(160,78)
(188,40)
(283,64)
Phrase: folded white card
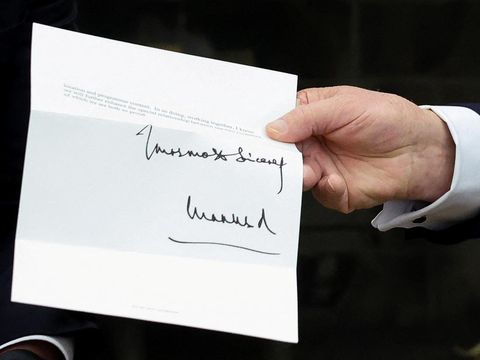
(151,191)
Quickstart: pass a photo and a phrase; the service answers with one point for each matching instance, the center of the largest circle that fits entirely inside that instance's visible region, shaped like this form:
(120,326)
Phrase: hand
(362,148)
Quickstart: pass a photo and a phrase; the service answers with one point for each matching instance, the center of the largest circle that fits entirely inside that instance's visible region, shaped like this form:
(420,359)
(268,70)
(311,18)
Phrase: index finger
(313,119)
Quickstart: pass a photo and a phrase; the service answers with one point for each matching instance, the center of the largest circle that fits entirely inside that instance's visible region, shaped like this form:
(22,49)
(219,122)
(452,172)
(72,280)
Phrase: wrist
(433,160)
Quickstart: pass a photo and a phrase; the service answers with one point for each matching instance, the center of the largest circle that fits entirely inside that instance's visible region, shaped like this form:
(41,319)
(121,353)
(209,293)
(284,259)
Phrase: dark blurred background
(362,294)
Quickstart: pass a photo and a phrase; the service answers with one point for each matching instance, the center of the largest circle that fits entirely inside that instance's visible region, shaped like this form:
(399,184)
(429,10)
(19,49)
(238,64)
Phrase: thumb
(304,121)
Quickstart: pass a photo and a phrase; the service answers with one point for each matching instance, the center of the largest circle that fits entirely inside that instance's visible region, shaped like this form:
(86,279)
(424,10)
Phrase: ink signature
(227,219)
(240,156)
(231,219)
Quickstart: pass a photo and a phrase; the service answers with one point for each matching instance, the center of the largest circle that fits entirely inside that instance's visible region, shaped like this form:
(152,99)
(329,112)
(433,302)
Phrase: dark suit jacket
(16,18)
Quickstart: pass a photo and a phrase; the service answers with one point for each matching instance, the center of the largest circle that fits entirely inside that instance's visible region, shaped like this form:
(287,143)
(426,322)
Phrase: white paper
(151,191)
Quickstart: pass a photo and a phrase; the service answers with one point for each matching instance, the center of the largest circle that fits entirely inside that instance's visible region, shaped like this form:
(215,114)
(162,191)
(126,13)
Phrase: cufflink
(420,220)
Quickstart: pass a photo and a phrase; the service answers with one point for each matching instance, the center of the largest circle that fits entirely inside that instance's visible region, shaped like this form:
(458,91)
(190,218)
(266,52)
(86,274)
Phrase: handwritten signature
(227,219)
(195,214)
(240,156)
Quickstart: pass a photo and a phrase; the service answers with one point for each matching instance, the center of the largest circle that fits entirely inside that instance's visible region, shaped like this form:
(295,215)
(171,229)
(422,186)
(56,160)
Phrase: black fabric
(12,13)
(16,17)
(475,107)
(466,230)
(19,355)
(50,12)
(16,21)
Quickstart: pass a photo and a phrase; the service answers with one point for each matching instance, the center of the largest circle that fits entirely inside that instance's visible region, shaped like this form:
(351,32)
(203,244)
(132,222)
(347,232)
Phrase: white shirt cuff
(65,345)
(462,201)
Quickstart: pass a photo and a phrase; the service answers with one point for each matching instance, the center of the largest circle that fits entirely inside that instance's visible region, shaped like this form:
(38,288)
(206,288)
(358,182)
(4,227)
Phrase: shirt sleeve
(462,201)
(65,345)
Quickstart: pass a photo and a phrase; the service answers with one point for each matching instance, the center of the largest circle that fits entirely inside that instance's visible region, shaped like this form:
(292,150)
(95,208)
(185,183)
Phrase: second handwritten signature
(194,213)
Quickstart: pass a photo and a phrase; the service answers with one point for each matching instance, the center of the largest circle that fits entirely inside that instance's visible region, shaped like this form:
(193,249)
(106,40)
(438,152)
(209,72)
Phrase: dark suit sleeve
(473,106)
(469,229)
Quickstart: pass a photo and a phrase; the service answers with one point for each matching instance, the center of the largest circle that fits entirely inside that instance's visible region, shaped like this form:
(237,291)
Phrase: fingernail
(277,127)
